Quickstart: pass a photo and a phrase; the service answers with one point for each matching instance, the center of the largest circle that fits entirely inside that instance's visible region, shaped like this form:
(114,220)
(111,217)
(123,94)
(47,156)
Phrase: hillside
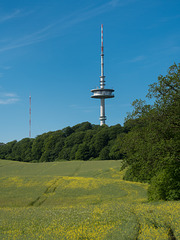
(83,141)
(80,200)
(148,143)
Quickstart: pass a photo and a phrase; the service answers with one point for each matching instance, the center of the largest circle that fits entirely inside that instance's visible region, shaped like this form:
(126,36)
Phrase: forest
(148,142)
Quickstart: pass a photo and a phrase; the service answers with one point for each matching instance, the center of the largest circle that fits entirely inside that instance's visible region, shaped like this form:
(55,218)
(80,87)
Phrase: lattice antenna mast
(30,116)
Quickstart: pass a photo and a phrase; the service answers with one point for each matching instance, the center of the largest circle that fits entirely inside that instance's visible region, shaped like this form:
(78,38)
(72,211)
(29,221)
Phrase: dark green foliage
(38,146)
(104,154)
(166,183)
(21,150)
(65,153)
(152,144)
(100,140)
(52,145)
(67,131)
(115,149)
(113,131)
(6,150)
(80,142)
(82,127)
(73,152)
(82,152)
(75,138)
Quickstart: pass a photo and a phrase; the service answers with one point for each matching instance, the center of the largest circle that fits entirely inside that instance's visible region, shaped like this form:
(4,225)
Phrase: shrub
(166,184)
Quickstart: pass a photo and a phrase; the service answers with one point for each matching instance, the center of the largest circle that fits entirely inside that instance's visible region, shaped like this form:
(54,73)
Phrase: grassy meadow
(80,200)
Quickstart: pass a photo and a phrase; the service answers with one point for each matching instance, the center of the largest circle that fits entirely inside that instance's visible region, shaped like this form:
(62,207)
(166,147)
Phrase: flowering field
(80,200)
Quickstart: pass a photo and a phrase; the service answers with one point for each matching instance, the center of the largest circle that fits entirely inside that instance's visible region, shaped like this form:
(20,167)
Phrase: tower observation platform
(102,93)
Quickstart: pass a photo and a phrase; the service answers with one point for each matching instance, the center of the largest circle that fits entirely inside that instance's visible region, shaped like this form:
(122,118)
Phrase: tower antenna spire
(102,93)
(102,47)
(102,81)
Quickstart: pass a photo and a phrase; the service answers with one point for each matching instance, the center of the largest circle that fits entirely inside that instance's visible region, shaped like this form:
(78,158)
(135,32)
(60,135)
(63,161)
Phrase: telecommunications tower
(102,92)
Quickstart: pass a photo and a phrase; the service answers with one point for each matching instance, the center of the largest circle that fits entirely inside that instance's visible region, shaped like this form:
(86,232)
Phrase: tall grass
(80,200)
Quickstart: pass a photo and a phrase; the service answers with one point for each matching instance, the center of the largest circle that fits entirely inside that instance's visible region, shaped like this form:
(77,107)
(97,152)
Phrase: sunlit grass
(86,200)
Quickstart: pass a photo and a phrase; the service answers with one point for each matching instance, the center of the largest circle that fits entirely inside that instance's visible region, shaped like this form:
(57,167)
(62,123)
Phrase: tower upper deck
(102,93)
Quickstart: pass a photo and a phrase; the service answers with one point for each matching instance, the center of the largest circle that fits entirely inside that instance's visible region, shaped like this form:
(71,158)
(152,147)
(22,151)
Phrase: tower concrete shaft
(102,112)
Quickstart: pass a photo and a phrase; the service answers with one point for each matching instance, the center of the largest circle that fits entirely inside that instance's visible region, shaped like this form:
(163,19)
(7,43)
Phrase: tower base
(102,120)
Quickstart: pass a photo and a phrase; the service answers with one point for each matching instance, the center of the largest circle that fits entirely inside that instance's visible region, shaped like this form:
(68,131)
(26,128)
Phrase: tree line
(83,141)
(152,146)
(148,143)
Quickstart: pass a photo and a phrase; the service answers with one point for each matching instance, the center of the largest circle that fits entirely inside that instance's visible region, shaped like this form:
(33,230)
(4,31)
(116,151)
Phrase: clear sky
(51,50)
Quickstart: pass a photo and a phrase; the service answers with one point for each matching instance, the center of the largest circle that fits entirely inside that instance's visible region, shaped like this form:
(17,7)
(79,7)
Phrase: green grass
(80,200)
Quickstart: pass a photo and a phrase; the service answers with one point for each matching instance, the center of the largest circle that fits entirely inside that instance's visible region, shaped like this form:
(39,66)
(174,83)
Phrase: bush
(166,184)
(104,154)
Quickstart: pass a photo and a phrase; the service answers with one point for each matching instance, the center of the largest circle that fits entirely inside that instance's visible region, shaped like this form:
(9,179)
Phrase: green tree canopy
(153,137)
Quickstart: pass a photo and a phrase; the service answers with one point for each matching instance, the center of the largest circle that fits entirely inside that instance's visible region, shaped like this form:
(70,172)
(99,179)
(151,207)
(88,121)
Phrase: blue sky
(51,50)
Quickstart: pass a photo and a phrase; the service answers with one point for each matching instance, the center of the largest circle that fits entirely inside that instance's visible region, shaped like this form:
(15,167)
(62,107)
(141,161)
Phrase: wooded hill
(81,142)
(148,142)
